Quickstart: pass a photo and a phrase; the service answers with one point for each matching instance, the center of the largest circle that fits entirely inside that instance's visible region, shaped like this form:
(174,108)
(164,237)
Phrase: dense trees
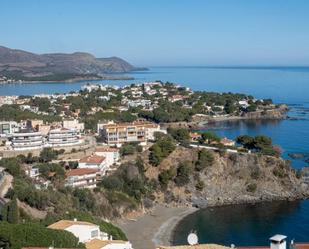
(161,149)
(183,173)
(205,159)
(182,135)
(209,137)
(130,149)
(48,154)
(262,144)
(13,112)
(16,236)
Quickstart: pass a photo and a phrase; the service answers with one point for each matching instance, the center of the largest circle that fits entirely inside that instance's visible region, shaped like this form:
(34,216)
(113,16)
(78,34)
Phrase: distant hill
(23,65)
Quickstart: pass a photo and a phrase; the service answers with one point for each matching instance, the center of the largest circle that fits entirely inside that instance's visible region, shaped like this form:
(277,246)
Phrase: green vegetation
(15,236)
(183,174)
(205,159)
(161,149)
(209,137)
(130,149)
(64,202)
(181,135)
(12,112)
(261,144)
(199,185)
(165,176)
(130,180)
(251,187)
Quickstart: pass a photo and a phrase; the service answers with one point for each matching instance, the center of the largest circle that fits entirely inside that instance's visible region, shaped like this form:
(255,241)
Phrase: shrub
(183,174)
(16,236)
(199,185)
(205,159)
(251,187)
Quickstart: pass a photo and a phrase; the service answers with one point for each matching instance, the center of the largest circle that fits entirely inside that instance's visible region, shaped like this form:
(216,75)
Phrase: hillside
(228,178)
(22,65)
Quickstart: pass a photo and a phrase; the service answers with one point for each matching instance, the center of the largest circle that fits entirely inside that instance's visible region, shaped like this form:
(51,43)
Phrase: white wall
(83,232)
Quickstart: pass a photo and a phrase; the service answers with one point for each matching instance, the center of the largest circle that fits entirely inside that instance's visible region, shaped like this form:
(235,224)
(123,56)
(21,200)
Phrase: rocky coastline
(197,122)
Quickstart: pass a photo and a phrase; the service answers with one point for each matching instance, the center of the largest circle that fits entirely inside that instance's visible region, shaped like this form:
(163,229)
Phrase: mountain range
(22,65)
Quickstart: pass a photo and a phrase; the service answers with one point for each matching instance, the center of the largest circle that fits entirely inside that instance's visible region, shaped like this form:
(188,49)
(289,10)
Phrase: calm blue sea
(241,225)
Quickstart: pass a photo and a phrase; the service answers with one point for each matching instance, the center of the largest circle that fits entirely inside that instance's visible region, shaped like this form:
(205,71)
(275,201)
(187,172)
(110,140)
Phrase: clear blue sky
(163,32)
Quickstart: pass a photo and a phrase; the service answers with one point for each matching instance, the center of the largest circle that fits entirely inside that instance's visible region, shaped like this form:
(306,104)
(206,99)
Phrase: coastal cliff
(232,178)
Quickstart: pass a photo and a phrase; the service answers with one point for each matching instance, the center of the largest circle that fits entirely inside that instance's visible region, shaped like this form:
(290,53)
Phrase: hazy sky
(163,32)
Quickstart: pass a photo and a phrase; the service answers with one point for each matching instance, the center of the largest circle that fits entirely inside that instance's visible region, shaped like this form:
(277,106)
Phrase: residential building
(137,131)
(81,178)
(195,136)
(63,137)
(176,98)
(35,123)
(32,172)
(7,128)
(73,124)
(27,139)
(44,129)
(84,231)
(111,155)
(227,142)
(93,162)
(108,244)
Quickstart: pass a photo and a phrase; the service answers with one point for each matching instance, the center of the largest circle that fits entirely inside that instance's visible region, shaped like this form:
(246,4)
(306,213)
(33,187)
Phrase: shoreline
(67,80)
(154,228)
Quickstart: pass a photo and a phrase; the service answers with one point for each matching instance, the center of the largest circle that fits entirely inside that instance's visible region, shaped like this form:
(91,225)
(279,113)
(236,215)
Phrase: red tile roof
(80,172)
(92,159)
(106,149)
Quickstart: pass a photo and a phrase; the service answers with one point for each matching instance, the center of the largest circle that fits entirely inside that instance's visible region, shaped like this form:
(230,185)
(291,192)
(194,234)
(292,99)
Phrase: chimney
(74,219)
(278,242)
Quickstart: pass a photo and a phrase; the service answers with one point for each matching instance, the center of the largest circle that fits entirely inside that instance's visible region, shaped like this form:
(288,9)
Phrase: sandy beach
(155,228)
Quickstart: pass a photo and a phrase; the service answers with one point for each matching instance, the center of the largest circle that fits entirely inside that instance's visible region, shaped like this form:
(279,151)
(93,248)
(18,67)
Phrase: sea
(241,225)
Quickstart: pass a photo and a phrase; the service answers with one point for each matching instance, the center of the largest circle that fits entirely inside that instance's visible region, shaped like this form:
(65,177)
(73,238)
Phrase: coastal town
(105,149)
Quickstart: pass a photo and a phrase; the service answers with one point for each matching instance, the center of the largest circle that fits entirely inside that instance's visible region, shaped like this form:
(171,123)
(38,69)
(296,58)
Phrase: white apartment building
(137,131)
(27,140)
(82,178)
(63,137)
(111,155)
(84,231)
(7,128)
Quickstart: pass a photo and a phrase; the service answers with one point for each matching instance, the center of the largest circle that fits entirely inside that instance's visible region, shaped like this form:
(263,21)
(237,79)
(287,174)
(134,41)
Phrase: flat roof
(278,237)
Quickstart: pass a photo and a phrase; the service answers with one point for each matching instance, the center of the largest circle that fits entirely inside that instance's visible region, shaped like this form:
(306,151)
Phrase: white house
(111,154)
(32,172)
(82,178)
(84,231)
(108,244)
(93,162)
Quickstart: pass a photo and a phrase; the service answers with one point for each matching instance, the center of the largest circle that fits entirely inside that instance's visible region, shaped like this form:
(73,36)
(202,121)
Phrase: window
(94,233)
